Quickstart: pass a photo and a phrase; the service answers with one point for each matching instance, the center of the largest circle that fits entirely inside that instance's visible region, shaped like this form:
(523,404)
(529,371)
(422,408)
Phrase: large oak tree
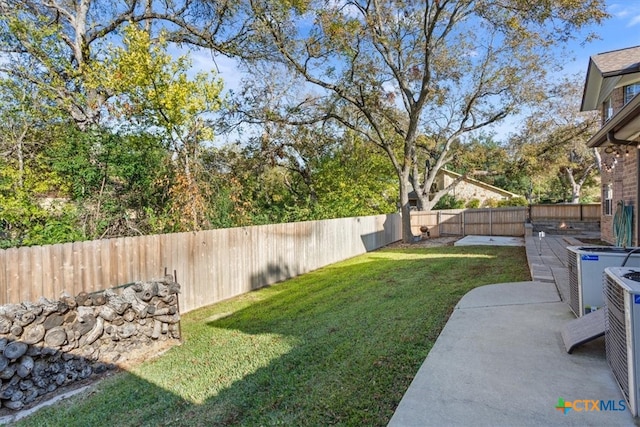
(412,77)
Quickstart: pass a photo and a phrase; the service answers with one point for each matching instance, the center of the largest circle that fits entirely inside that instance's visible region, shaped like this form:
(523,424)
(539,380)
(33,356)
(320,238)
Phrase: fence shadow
(391,231)
(299,330)
(273,273)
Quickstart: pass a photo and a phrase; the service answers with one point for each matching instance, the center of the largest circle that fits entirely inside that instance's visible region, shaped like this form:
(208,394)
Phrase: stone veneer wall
(49,344)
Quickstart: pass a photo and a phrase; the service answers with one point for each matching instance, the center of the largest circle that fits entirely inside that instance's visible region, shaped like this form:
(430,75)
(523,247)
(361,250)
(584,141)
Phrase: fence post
(490,221)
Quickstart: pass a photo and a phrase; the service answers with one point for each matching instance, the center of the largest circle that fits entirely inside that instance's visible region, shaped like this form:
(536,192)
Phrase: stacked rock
(48,344)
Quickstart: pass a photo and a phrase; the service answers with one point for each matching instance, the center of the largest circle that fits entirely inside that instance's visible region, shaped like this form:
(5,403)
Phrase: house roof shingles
(607,71)
(618,62)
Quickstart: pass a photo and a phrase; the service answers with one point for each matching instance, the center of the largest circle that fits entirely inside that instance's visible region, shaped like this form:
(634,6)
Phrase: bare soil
(426,243)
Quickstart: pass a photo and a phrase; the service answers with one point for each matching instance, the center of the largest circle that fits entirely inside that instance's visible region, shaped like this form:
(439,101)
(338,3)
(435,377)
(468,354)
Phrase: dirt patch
(426,243)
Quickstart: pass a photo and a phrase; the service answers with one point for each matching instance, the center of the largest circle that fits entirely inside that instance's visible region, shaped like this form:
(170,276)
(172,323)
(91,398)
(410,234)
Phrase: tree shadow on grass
(336,346)
(355,344)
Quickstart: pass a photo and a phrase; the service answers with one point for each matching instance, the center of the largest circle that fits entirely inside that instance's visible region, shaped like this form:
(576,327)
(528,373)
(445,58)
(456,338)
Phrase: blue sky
(621,30)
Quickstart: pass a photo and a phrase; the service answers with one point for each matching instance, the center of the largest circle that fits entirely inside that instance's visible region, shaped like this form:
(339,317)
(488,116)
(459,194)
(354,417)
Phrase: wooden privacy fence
(210,265)
(463,222)
(587,212)
(498,221)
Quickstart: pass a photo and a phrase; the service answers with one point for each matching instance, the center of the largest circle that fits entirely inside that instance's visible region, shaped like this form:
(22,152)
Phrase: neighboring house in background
(466,189)
(611,86)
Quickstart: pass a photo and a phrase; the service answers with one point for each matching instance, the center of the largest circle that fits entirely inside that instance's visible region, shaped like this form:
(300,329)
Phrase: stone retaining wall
(49,344)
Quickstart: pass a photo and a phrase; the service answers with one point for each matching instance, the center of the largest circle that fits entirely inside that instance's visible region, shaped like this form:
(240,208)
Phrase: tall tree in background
(307,175)
(154,92)
(488,160)
(102,68)
(412,79)
(26,181)
(392,70)
(54,44)
(552,142)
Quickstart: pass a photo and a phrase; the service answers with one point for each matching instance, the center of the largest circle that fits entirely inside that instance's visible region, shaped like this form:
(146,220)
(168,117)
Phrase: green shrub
(473,204)
(490,203)
(448,201)
(514,201)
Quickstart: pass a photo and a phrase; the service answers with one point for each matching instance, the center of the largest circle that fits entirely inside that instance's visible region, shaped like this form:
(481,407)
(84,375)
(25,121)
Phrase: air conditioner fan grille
(616,336)
(632,275)
(574,296)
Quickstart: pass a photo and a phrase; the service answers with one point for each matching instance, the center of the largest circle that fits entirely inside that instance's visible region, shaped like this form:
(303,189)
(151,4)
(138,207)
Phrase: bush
(449,201)
(514,201)
(473,204)
(490,203)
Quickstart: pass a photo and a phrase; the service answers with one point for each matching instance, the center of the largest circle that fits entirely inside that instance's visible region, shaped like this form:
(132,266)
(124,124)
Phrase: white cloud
(226,68)
(634,21)
(628,11)
(202,60)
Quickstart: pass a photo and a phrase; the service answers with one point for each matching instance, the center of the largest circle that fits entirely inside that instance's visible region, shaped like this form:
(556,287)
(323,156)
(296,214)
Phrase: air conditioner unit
(622,330)
(586,266)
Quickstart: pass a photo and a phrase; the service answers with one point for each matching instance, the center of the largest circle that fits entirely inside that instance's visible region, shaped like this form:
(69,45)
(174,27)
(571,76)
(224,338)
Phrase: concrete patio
(500,360)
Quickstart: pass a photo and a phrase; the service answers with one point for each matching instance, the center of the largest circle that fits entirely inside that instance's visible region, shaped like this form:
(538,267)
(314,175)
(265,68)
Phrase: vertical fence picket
(37,288)
(4,272)
(24,270)
(67,269)
(104,266)
(149,258)
(54,270)
(82,254)
(187,265)
(113,251)
(13,264)
(94,266)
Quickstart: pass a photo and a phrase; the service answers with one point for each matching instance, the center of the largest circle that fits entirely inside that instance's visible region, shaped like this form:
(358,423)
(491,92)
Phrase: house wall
(623,178)
(606,221)
(467,191)
(630,189)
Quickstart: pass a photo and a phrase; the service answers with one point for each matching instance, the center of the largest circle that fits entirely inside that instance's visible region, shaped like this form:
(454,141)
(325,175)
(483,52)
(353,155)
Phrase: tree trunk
(575,187)
(596,154)
(405,210)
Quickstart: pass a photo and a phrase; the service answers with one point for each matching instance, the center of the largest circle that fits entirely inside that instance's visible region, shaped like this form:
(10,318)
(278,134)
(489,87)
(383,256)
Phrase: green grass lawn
(336,346)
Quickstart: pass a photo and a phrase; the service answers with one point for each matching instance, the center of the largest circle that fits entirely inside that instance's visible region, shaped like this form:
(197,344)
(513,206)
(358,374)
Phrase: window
(607,109)
(630,91)
(607,199)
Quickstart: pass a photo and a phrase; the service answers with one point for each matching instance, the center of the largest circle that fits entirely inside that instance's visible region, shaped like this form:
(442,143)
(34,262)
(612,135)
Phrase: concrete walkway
(500,359)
